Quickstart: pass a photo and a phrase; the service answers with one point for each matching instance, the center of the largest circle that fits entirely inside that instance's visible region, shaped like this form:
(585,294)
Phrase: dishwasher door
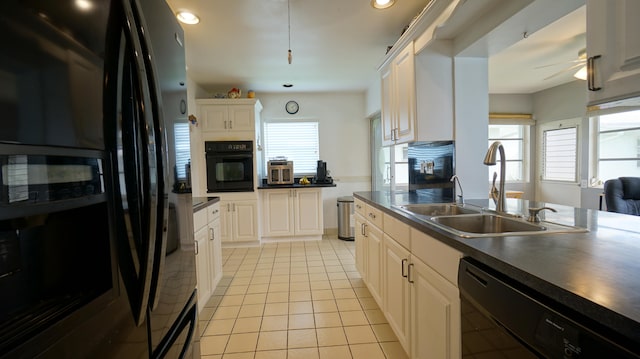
(501,318)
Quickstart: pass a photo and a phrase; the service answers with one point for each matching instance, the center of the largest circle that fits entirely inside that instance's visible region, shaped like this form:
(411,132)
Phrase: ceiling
(337,46)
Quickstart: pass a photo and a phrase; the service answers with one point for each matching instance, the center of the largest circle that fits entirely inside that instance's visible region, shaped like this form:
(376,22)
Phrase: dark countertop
(203,202)
(595,273)
(295,185)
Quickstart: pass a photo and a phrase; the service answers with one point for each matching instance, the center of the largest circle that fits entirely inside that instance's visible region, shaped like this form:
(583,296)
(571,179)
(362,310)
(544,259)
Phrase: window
(297,141)
(514,139)
(183,149)
(618,145)
(559,154)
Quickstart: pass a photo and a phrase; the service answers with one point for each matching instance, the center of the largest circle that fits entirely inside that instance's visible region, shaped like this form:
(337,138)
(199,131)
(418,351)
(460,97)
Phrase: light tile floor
(298,299)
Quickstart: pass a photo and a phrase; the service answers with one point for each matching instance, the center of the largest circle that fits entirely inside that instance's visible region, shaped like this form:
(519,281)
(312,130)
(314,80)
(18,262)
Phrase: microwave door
(128,138)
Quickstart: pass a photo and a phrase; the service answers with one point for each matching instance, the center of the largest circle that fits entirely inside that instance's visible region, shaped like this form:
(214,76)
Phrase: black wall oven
(229,166)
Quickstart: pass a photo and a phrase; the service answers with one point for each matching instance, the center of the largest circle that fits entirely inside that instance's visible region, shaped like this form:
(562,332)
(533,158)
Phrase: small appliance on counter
(322,175)
(280,171)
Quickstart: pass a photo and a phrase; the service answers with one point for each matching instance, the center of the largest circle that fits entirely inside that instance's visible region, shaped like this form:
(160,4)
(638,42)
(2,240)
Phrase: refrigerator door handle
(158,141)
(136,191)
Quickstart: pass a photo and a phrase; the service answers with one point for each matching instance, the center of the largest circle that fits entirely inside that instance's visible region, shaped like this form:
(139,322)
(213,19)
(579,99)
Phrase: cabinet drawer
(200,219)
(436,254)
(374,216)
(360,207)
(213,212)
(397,230)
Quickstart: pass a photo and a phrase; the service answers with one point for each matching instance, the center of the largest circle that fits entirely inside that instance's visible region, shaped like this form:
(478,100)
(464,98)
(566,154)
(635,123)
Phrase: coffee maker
(321,173)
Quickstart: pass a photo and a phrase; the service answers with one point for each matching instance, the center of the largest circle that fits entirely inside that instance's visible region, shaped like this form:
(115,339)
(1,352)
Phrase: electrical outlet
(583,183)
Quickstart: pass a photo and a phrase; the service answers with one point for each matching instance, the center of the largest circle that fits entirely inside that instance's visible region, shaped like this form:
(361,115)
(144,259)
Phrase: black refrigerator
(85,269)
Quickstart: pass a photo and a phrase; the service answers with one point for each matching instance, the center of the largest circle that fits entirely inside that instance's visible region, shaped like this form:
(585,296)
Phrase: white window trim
(526,144)
(289,120)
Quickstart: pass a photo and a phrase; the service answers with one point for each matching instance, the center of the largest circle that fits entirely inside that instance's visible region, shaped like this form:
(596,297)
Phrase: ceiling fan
(579,63)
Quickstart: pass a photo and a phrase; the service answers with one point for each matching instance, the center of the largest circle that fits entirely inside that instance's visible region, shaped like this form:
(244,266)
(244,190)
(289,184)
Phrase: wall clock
(292,107)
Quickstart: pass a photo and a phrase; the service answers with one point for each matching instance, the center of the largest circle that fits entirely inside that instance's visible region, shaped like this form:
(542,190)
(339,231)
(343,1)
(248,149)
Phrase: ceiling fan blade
(580,61)
(563,71)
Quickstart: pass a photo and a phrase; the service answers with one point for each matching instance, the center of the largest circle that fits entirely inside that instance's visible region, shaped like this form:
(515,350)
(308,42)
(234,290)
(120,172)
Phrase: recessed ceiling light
(188,17)
(382,4)
(287,85)
(84,5)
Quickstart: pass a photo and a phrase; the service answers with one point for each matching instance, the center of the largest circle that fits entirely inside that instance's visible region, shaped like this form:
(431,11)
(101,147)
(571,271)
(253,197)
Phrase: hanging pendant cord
(289,56)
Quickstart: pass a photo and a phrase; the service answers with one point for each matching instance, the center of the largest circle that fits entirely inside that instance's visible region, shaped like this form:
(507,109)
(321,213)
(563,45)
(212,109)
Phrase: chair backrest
(622,195)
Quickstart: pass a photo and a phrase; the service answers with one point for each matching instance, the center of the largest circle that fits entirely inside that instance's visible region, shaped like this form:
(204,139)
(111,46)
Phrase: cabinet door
(361,253)
(396,290)
(374,263)
(214,118)
(307,208)
(387,114)
(435,314)
(202,266)
(241,118)
(405,89)
(215,252)
(612,34)
(277,213)
(245,220)
(226,221)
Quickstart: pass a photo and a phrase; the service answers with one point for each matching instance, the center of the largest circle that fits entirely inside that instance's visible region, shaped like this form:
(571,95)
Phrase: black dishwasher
(504,319)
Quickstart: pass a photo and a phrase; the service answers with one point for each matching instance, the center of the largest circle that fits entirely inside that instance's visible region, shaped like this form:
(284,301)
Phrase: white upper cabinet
(613,48)
(399,98)
(228,118)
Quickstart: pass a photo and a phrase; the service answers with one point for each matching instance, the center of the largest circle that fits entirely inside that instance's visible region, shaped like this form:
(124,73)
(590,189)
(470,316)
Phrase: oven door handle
(230,156)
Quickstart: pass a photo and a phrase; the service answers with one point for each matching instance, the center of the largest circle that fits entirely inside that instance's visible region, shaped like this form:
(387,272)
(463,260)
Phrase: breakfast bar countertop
(595,273)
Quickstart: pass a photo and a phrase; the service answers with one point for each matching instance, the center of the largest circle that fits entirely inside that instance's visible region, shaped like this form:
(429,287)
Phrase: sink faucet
(533,213)
(490,160)
(460,197)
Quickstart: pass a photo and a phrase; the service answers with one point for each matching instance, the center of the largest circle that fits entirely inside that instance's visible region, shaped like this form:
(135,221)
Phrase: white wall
(373,97)
(565,102)
(344,139)
(471,124)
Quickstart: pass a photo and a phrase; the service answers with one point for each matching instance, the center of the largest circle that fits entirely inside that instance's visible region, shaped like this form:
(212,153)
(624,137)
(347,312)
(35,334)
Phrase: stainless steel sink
(486,223)
(490,225)
(435,209)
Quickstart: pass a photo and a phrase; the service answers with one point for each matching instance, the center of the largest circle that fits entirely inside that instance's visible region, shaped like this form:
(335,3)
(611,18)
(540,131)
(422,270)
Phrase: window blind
(560,154)
(183,148)
(297,141)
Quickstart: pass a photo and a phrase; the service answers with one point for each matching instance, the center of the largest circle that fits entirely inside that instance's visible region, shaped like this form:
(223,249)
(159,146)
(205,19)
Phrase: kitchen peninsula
(592,274)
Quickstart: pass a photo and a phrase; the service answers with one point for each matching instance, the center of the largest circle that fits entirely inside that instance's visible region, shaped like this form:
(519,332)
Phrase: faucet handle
(533,213)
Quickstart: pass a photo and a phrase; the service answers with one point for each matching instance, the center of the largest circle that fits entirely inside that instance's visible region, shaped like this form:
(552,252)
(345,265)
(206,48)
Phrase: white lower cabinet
(203,265)
(369,253)
(208,251)
(292,212)
(412,277)
(435,313)
(239,220)
(374,261)
(360,242)
(396,293)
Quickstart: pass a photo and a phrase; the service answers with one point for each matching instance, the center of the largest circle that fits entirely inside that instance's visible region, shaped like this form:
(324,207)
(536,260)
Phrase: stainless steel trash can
(346,220)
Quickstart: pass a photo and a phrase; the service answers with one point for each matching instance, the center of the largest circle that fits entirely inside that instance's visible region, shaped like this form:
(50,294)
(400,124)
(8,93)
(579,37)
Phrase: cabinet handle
(402,265)
(234,207)
(228,207)
(409,276)
(230,125)
(212,234)
(225,124)
(196,247)
(591,74)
